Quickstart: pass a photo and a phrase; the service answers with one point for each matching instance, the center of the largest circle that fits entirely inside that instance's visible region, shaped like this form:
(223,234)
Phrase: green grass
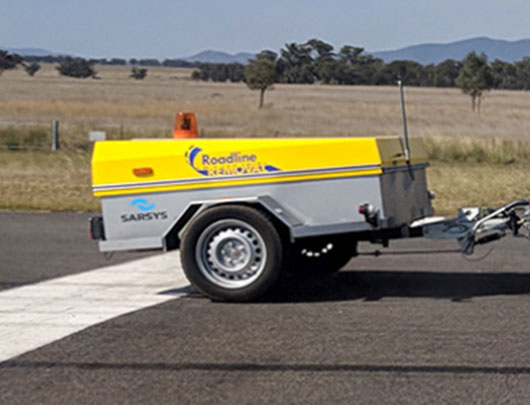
(45,180)
(15,138)
(460,184)
(477,150)
(439,149)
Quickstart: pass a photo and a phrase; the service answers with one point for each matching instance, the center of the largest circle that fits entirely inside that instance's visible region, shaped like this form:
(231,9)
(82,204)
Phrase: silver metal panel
(130,244)
(315,204)
(305,231)
(280,212)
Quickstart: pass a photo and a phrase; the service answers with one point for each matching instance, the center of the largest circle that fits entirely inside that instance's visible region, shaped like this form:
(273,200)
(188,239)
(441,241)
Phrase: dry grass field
(226,109)
(477,158)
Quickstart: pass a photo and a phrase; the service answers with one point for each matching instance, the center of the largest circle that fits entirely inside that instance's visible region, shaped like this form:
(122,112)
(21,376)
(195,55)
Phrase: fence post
(55,135)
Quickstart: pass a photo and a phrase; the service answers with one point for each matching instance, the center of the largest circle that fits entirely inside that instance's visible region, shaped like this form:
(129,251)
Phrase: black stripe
(249,367)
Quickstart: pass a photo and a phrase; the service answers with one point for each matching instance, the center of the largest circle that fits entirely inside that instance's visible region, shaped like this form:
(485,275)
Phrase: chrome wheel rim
(231,254)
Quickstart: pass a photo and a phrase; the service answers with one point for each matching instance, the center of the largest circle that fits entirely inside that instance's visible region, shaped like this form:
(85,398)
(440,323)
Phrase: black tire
(322,255)
(231,253)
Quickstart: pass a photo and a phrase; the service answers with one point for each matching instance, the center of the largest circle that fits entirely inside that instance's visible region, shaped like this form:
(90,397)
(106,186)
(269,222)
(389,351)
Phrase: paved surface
(40,246)
(424,328)
(48,311)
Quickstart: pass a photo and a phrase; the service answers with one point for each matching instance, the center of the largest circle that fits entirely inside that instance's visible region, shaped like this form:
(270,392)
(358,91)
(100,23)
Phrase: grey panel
(280,212)
(305,231)
(320,203)
(130,244)
(405,197)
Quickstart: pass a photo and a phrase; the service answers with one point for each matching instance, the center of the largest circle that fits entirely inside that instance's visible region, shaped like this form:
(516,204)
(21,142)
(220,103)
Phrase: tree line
(11,61)
(317,61)
(115,61)
(306,63)
(82,68)
(314,61)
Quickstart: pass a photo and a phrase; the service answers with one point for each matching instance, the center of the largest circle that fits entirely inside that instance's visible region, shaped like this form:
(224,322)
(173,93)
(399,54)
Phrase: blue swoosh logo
(193,154)
(271,168)
(143,205)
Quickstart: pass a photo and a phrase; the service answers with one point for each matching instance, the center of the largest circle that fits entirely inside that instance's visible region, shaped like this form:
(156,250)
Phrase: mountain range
(220,57)
(32,51)
(509,51)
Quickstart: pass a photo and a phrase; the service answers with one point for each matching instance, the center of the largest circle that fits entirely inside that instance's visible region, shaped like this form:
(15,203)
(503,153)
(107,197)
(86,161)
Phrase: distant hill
(220,57)
(208,56)
(30,51)
(509,51)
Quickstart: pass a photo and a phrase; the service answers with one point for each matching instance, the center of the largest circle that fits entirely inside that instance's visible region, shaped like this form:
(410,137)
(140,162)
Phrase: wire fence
(40,134)
(30,136)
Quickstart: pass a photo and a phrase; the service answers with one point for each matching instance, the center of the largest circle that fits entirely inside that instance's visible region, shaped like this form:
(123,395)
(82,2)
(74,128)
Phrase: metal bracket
(475,226)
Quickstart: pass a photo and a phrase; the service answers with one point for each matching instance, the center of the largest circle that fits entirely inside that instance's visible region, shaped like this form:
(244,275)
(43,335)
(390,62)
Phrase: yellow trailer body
(239,208)
(194,164)
(146,186)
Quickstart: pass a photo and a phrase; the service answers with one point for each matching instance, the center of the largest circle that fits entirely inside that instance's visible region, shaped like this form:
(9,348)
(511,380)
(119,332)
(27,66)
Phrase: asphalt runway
(423,328)
(40,246)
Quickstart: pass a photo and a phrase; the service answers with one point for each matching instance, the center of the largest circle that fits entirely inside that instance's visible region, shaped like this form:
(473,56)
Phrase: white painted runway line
(35,315)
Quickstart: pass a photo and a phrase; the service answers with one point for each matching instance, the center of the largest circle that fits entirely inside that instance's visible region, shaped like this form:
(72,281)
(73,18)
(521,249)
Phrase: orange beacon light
(185,126)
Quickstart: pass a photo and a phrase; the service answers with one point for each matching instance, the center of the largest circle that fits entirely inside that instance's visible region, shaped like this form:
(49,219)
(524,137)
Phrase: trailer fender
(283,217)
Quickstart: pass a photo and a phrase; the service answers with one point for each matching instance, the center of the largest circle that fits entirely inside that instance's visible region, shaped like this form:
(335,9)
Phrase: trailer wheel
(231,253)
(323,255)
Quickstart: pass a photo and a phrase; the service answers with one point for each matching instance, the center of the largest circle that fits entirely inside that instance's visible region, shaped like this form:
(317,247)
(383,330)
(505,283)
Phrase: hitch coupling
(479,225)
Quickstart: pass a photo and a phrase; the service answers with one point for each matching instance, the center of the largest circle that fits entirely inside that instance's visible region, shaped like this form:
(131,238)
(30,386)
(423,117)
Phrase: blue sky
(178,28)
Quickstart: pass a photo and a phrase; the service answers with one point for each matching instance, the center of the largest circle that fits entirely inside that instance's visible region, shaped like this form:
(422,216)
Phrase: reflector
(143,171)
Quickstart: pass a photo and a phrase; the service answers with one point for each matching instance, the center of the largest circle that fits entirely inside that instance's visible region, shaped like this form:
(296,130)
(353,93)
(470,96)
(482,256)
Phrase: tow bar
(479,225)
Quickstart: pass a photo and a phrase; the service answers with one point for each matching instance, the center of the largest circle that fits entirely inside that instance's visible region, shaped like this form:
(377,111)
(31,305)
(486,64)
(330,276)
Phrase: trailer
(245,211)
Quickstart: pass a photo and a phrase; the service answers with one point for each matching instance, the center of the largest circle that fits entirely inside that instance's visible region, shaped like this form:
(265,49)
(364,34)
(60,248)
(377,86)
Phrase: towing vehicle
(242,211)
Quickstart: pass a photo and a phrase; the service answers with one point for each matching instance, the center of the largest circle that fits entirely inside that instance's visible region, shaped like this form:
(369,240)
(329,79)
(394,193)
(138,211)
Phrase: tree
(149,62)
(196,75)
(117,62)
(235,72)
(522,68)
(138,73)
(178,63)
(475,77)
(505,75)
(446,72)
(296,64)
(409,72)
(219,72)
(32,68)
(268,54)
(323,57)
(76,67)
(260,74)
(352,67)
(9,60)
(350,54)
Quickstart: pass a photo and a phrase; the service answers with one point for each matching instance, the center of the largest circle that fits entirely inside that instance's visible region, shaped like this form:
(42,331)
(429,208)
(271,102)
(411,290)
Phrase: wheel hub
(231,253)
